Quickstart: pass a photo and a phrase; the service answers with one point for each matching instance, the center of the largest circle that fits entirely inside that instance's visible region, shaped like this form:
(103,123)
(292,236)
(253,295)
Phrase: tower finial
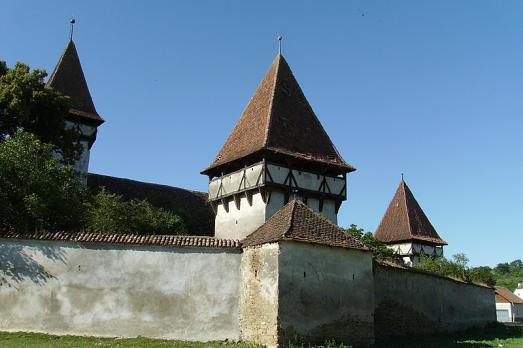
(401,176)
(72,21)
(280,38)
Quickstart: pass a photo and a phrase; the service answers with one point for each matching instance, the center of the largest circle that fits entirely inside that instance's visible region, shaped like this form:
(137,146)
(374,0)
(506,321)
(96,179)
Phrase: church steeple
(279,124)
(278,151)
(68,78)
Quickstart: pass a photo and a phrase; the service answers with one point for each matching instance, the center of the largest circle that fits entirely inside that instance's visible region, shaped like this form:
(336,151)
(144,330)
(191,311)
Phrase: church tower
(406,229)
(68,79)
(278,151)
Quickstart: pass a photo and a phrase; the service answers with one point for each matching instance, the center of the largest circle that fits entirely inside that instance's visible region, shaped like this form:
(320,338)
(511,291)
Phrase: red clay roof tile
(404,220)
(297,222)
(91,237)
(278,120)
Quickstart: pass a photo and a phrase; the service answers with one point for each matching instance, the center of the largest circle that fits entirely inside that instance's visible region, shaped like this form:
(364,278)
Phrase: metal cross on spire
(280,38)
(72,21)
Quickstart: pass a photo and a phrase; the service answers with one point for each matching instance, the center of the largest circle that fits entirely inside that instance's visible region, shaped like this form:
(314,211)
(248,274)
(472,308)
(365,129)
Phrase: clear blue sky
(431,89)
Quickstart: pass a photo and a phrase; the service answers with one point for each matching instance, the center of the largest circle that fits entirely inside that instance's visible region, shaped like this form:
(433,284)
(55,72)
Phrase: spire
(404,220)
(278,122)
(68,79)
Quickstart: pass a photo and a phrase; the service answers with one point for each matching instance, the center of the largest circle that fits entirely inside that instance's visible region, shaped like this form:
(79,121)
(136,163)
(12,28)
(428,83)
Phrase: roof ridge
(271,105)
(291,220)
(403,184)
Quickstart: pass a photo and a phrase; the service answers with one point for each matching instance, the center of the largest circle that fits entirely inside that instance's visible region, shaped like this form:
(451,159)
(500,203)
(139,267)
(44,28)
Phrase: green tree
(26,102)
(109,213)
(509,274)
(458,268)
(381,251)
(35,191)
(482,274)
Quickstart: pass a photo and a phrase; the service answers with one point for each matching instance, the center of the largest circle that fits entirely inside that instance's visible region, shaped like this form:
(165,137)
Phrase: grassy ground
(495,336)
(31,340)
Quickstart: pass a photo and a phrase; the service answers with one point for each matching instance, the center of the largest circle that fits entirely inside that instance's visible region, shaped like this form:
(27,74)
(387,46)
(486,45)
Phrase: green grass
(494,336)
(34,340)
(497,335)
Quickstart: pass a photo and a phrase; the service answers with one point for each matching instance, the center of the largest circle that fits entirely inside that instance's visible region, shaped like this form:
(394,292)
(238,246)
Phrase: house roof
(297,222)
(91,237)
(404,220)
(191,206)
(508,295)
(279,121)
(68,78)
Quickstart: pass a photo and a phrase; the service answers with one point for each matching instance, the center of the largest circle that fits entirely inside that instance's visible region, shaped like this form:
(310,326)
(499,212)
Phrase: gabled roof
(508,295)
(297,222)
(68,78)
(278,120)
(404,220)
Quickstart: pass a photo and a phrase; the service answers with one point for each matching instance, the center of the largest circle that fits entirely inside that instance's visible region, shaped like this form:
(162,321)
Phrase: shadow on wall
(16,265)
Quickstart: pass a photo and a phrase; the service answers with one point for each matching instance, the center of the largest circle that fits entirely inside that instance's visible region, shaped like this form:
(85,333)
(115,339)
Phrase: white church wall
(325,293)
(119,290)
(82,164)
(238,223)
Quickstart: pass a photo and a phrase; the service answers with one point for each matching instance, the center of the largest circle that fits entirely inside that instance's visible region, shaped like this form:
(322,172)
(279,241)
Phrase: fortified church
(277,268)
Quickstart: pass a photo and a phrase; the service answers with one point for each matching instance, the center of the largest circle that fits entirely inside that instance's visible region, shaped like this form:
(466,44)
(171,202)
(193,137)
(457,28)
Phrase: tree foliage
(458,268)
(381,251)
(35,191)
(509,274)
(26,102)
(109,213)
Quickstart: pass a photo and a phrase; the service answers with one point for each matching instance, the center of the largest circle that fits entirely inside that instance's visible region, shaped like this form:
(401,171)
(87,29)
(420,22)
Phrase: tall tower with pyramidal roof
(406,229)
(68,78)
(278,151)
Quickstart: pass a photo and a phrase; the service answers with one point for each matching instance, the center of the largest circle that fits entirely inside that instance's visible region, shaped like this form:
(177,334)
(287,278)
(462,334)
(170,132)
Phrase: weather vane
(72,21)
(280,38)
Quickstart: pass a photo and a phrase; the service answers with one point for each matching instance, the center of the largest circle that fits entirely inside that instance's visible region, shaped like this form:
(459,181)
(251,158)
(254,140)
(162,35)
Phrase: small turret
(68,78)
(406,229)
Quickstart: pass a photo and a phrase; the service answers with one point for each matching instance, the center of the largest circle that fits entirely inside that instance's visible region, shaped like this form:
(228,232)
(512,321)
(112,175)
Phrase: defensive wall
(200,288)
(173,288)
(410,301)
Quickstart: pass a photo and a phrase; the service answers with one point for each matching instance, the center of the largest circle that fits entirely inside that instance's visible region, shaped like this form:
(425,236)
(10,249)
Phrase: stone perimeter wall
(412,302)
(325,293)
(269,294)
(119,290)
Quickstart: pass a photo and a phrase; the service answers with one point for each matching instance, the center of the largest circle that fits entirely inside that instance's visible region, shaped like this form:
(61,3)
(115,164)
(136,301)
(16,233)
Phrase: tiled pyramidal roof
(404,220)
(279,121)
(297,222)
(68,78)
